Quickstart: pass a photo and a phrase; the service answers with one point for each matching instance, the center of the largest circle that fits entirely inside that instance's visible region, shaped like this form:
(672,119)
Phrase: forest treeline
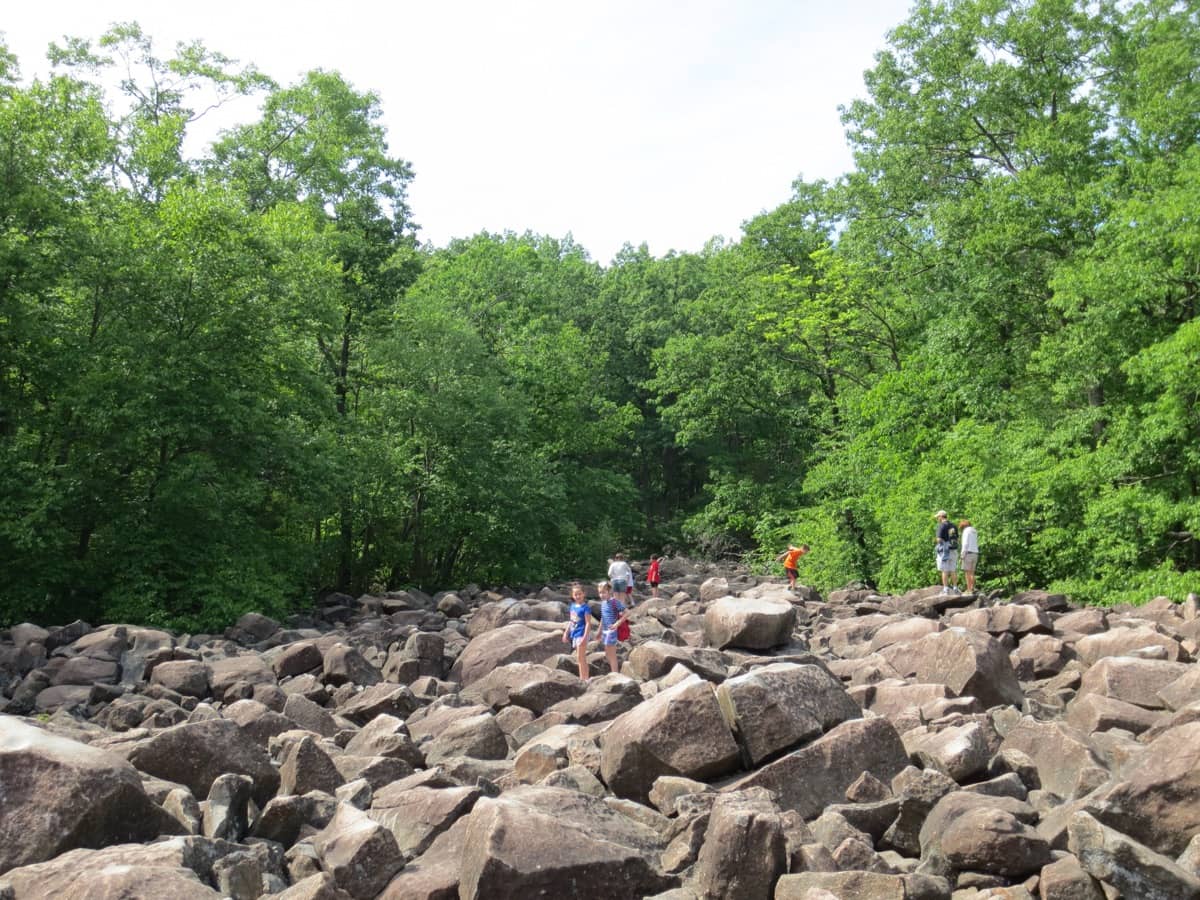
(231,379)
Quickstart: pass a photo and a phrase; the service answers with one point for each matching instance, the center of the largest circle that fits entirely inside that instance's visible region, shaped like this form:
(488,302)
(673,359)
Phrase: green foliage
(231,381)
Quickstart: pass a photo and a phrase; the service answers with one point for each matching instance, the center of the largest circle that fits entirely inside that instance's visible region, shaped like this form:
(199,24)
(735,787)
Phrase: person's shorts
(653,584)
(791,573)
(618,585)
(576,641)
(948,562)
(608,637)
(969,560)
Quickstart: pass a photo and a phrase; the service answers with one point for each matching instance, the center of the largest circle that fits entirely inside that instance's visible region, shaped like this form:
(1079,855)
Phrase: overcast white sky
(656,121)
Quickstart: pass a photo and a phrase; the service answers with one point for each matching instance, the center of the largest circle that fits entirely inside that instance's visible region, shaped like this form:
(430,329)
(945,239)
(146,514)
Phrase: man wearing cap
(946,547)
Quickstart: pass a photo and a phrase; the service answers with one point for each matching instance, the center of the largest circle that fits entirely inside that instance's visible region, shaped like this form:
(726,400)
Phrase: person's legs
(581,658)
(610,651)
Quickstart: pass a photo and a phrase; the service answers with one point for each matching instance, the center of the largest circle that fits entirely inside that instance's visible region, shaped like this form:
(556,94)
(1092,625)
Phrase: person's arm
(780,557)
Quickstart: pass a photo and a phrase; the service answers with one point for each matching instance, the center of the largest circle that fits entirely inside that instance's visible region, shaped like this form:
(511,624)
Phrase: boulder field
(757,742)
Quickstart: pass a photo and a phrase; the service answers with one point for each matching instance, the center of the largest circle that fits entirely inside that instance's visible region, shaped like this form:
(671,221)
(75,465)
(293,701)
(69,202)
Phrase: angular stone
(651,660)
(195,754)
(1065,879)
(1183,690)
(358,852)
(1059,752)
(386,736)
(434,875)
(344,664)
(744,850)
(1094,712)
(749,623)
(776,707)
(904,631)
(538,841)
(178,867)
(818,774)
(297,658)
(478,737)
(1158,801)
(377,700)
(249,670)
(993,840)
(309,715)
(187,677)
(417,816)
(861,886)
(1133,869)
(305,767)
(1040,656)
(226,815)
(960,752)
(679,731)
(1136,681)
(969,663)
(1124,642)
(1009,618)
(57,794)
(517,642)
(532,686)
(86,670)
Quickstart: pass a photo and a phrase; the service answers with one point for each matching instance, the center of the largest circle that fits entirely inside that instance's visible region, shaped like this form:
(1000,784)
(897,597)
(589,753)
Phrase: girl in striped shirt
(612,614)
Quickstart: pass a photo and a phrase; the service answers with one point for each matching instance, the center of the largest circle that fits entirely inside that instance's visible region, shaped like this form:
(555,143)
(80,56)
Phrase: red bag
(622,627)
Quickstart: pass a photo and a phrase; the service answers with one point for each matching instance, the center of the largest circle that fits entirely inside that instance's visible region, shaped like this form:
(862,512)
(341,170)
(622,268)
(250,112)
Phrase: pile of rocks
(758,742)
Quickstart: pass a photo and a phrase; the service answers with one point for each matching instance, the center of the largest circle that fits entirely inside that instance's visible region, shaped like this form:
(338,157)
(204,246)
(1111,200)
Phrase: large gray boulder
(749,623)
(57,794)
(195,754)
(818,774)
(549,842)
(779,706)
(1061,754)
(358,852)
(744,850)
(1158,801)
(1131,680)
(1133,869)
(516,642)
(969,663)
(679,731)
(417,815)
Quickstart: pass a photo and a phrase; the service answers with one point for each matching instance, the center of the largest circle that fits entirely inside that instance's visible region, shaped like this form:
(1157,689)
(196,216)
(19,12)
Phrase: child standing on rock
(579,625)
(653,576)
(612,614)
(790,559)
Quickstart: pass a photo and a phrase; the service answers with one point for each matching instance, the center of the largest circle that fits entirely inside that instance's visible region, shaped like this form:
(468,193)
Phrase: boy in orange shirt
(790,557)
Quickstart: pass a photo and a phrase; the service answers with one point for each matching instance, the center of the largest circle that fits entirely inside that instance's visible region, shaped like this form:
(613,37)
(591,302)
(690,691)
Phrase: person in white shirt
(621,577)
(970,552)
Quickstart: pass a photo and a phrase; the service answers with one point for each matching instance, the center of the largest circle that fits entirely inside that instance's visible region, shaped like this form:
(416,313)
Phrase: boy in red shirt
(652,576)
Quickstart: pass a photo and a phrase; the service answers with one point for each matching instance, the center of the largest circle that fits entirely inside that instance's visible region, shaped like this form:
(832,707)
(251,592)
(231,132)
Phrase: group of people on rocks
(946,550)
(616,594)
(616,601)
